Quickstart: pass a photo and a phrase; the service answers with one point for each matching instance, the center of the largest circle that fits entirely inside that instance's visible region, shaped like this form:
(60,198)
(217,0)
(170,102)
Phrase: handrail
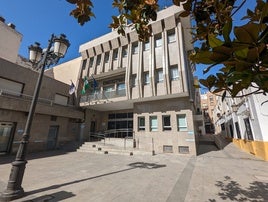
(17,95)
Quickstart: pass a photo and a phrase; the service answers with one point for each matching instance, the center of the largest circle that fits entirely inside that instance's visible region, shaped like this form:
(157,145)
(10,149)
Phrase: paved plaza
(225,175)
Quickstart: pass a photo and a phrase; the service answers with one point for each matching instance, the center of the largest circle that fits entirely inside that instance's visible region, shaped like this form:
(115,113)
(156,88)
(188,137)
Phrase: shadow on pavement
(57,196)
(206,144)
(231,190)
(4,159)
(132,166)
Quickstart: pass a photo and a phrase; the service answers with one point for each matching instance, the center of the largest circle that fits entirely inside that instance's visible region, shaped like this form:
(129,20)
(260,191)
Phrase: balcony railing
(103,95)
(21,96)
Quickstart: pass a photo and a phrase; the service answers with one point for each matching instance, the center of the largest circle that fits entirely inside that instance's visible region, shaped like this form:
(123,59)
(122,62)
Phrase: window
(11,87)
(146,78)
(158,41)
(184,149)
(153,123)
(91,62)
(106,57)
(167,149)
(237,130)
(171,36)
(181,122)
(146,46)
(115,54)
(248,129)
(135,48)
(124,51)
(121,89)
(61,99)
(134,80)
(159,76)
(141,123)
(98,59)
(84,64)
(166,122)
(174,74)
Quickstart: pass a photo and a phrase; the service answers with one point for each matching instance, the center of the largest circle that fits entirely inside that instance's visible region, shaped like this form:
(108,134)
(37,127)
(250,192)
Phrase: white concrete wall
(10,41)
(66,72)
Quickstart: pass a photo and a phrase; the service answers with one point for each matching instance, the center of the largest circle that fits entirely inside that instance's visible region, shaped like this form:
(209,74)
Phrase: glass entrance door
(6,136)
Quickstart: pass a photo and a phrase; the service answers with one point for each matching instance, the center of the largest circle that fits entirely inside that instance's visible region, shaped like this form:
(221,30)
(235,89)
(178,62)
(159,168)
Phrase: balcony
(103,96)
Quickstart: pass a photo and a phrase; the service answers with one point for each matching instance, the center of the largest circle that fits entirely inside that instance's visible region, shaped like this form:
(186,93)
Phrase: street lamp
(56,49)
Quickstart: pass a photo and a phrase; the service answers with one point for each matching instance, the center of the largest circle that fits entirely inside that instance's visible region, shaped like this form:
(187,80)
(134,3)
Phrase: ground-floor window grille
(184,150)
(167,149)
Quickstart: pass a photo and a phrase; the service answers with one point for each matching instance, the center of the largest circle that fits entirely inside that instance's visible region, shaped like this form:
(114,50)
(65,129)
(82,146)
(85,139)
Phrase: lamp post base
(9,195)
(14,189)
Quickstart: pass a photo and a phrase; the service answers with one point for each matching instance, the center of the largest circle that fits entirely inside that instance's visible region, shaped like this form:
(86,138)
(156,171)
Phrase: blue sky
(36,20)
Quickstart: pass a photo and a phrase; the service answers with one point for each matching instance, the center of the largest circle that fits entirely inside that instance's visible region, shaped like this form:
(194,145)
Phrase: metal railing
(103,95)
(124,134)
(21,96)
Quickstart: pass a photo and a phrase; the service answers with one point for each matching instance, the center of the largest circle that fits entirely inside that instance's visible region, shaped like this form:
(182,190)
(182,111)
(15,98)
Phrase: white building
(244,120)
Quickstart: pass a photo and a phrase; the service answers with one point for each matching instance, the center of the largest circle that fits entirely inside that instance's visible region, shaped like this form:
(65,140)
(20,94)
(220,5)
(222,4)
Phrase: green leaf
(202,57)
(247,33)
(227,28)
(214,41)
(242,53)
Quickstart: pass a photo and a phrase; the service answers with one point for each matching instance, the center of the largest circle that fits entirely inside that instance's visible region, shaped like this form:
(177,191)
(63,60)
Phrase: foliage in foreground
(240,51)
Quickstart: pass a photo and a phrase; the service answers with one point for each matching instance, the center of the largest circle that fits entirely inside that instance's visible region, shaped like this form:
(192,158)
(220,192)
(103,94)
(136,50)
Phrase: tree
(240,51)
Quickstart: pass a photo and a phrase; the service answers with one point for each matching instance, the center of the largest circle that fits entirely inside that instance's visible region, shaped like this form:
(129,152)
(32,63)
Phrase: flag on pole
(72,88)
(85,86)
(95,83)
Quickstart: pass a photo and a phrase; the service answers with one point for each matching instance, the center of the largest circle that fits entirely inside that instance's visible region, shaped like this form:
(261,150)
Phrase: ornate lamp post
(41,59)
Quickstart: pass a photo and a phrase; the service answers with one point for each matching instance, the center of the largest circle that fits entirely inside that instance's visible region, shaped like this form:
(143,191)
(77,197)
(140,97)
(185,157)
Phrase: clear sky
(36,20)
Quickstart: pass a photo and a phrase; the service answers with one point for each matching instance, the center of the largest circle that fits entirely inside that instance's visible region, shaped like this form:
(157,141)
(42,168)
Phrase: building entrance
(120,125)
(6,136)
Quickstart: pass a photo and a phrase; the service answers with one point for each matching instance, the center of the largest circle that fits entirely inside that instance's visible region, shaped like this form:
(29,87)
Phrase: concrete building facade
(56,120)
(144,87)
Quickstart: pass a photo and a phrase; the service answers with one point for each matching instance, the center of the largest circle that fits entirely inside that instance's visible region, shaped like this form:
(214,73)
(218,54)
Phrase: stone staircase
(112,146)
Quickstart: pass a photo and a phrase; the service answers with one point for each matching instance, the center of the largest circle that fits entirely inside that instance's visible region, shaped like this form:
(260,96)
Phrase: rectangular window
(135,48)
(237,130)
(91,62)
(153,123)
(146,78)
(146,46)
(10,87)
(248,129)
(134,80)
(141,123)
(121,89)
(158,41)
(98,59)
(124,52)
(115,54)
(61,99)
(84,64)
(167,149)
(171,36)
(166,122)
(159,76)
(174,74)
(181,122)
(106,57)
(184,149)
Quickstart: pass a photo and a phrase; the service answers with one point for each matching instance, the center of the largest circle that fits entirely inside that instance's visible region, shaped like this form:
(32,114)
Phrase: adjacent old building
(57,119)
(244,121)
